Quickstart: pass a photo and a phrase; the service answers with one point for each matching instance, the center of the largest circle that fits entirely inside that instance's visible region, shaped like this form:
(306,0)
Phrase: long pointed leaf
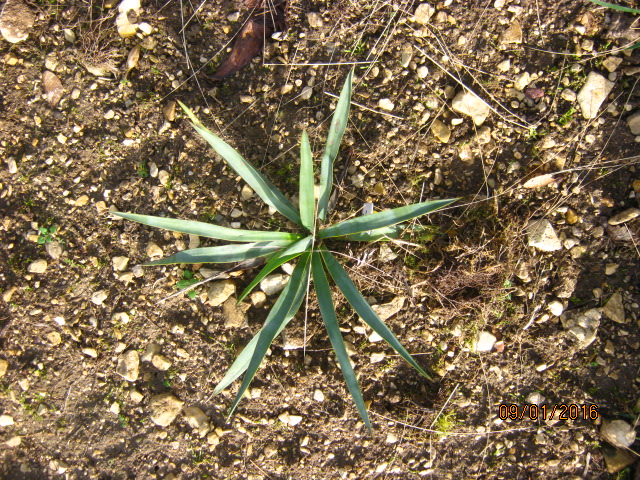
(208,230)
(362,308)
(256,180)
(242,362)
(327,310)
(222,254)
(336,130)
(278,259)
(382,219)
(283,304)
(265,336)
(383,233)
(307,197)
(620,8)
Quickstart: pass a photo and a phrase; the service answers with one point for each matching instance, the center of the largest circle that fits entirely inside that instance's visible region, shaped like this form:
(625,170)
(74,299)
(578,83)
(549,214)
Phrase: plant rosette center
(315,265)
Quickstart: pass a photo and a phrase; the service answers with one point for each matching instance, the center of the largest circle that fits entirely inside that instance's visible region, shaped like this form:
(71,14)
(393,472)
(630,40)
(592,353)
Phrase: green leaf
(378,220)
(383,233)
(307,197)
(266,335)
(222,254)
(208,230)
(278,259)
(620,8)
(242,362)
(260,184)
(336,130)
(362,308)
(328,313)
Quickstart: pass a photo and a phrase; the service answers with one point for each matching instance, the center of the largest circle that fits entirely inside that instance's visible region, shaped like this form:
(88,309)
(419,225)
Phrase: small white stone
(485,342)
(542,236)
(375,338)
(386,104)
(422,72)
(246,192)
(128,366)
(318,396)
(423,13)
(161,362)
(272,284)
(377,357)
(556,307)
(90,352)
(306,93)
(99,297)
(6,420)
(120,263)
(593,93)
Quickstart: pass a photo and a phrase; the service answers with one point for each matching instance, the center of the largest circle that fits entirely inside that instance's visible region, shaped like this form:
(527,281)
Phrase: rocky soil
(522,299)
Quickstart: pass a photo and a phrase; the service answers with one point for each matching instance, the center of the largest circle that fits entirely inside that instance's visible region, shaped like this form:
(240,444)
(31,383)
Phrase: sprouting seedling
(307,245)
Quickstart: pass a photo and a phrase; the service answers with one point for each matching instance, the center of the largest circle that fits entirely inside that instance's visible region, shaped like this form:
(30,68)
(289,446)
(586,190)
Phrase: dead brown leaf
(267,18)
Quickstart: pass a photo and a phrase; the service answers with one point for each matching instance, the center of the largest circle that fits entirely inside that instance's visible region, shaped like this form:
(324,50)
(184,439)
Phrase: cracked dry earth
(522,299)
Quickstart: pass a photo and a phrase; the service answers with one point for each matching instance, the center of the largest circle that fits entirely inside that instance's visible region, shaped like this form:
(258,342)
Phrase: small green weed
(566,117)
(188,279)
(46,234)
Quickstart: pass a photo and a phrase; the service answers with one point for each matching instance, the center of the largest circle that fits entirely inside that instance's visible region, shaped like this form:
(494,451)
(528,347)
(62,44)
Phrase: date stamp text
(559,411)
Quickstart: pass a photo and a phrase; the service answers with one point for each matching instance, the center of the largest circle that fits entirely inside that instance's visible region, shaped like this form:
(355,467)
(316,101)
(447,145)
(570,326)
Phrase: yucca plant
(307,245)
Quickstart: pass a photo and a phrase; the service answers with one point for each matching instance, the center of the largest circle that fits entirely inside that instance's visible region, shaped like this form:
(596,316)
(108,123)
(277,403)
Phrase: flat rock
(423,13)
(37,266)
(153,250)
(617,459)
(614,309)
(197,420)
(512,35)
(235,316)
(387,310)
(624,216)
(16,21)
(315,20)
(470,104)
(54,249)
(634,123)
(272,284)
(484,342)
(220,292)
(128,366)
(618,433)
(120,263)
(593,93)
(165,408)
(161,362)
(441,131)
(542,236)
(4,366)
